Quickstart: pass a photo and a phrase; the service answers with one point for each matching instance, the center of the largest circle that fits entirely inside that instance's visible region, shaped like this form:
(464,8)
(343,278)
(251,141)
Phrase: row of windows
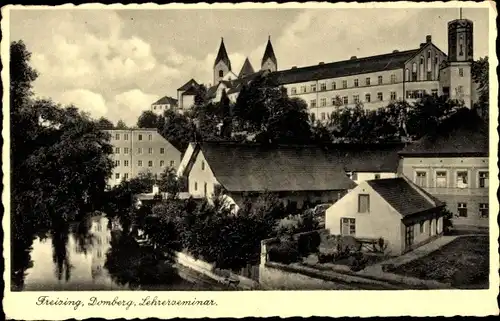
(139,136)
(204,188)
(419,93)
(355,99)
(140,162)
(333,85)
(126,150)
(483,210)
(424,74)
(462,179)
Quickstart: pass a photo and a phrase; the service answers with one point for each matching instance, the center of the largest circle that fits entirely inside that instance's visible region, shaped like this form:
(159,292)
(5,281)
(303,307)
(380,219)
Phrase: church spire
(247,69)
(269,60)
(222,55)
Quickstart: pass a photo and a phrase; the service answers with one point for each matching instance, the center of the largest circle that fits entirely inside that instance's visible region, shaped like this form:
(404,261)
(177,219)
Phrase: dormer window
(221,73)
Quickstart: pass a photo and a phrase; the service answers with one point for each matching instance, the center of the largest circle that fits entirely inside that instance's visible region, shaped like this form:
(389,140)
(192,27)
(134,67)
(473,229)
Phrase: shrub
(357,261)
(327,258)
(308,243)
(285,252)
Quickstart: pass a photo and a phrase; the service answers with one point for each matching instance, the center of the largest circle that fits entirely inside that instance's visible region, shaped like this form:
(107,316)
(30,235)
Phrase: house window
(483,210)
(150,137)
(117,136)
(221,73)
(462,181)
(414,72)
(139,137)
(461,72)
(323,86)
(345,100)
(150,163)
(150,150)
(125,176)
(441,179)
(125,163)
(429,75)
(117,175)
(313,103)
(419,93)
(323,102)
(202,165)
(363,203)
(139,150)
(393,79)
(407,74)
(195,186)
(367,81)
(125,136)
(348,226)
(393,95)
(380,80)
(355,98)
(460,89)
(323,117)
(434,92)
(334,85)
(139,163)
(421,179)
(117,163)
(313,88)
(422,227)
(117,150)
(380,96)
(462,209)
(356,83)
(303,89)
(172,163)
(409,235)
(294,91)
(205,189)
(377,176)
(125,150)
(367,98)
(484,181)
(335,101)
(162,163)
(162,150)
(344,83)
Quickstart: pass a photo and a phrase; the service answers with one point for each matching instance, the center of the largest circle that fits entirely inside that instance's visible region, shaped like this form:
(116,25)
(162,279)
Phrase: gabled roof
(258,168)
(188,85)
(190,92)
(390,61)
(246,70)
(222,55)
(237,84)
(166,101)
(463,134)
(403,196)
(269,53)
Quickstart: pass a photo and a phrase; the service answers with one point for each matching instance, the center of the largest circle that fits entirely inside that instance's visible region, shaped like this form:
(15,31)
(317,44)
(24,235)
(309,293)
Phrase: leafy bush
(357,261)
(285,252)
(308,243)
(447,223)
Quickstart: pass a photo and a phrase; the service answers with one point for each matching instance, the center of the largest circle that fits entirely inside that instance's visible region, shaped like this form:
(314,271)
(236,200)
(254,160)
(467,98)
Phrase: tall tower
(456,77)
(269,61)
(222,63)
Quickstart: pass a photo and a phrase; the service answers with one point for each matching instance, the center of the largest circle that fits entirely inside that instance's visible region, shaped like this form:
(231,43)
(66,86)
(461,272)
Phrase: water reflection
(94,255)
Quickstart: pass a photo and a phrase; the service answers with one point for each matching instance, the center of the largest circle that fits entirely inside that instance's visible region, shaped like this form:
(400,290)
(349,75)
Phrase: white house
(394,209)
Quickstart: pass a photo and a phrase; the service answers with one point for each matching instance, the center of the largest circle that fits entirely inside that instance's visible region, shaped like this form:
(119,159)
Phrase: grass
(463,263)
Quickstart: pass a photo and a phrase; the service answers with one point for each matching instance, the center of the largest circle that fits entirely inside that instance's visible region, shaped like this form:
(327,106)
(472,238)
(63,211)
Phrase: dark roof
(344,68)
(247,69)
(222,55)
(269,53)
(212,91)
(236,85)
(403,196)
(191,91)
(256,168)
(189,84)
(463,134)
(367,158)
(166,101)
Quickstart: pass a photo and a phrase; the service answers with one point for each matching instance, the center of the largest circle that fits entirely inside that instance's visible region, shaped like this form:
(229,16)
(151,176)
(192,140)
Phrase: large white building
(373,81)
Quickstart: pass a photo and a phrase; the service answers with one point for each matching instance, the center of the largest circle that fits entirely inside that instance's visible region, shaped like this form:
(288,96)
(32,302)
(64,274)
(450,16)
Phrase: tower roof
(222,55)
(247,69)
(269,52)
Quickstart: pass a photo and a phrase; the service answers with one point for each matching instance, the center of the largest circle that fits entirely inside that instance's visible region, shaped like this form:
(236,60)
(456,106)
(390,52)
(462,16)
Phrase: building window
(195,186)
(393,79)
(345,100)
(221,73)
(117,163)
(484,181)
(172,163)
(421,67)
(380,96)
(125,176)
(380,80)
(462,209)
(429,75)
(150,163)
(139,150)
(294,91)
(125,150)
(441,179)
(410,94)
(344,83)
(162,150)
(139,137)
(363,203)
(419,93)
(117,150)
(323,116)
(313,88)
(460,89)
(348,226)
(139,163)
(409,235)
(162,163)
(323,86)
(150,137)
(205,189)
(150,150)
(356,83)
(313,117)
(303,89)
(202,165)
(393,95)
(421,179)
(313,103)
(117,175)
(117,136)
(377,176)
(125,136)
(367,98)
(367,81)
(334,85)
(414,72)
(323,102)
(462,181)
(125,163)
(355,98)
(434,92)
(483,210)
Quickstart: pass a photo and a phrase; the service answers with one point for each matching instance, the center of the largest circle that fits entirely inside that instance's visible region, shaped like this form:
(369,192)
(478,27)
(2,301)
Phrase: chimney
(422,44)
(395,51)
(354,57)
(321,63)
(428,38)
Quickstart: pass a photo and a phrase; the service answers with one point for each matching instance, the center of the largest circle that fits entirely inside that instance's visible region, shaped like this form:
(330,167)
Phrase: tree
(148,119)
(104,123)
(179,130)
(480,75)
(170,183)
(121,125)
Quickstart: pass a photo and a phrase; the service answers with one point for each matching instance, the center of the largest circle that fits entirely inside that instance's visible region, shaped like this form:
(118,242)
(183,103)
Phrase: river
(105,259)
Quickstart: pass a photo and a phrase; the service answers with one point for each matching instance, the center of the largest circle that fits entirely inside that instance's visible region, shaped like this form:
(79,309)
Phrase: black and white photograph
(153,149)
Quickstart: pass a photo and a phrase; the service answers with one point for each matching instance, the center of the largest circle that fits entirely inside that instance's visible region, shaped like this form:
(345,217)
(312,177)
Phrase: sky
(115,63)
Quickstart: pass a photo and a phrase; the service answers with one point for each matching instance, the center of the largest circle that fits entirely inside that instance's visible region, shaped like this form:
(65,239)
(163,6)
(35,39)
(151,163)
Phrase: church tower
(222,64)
(269,61)
(456,76)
